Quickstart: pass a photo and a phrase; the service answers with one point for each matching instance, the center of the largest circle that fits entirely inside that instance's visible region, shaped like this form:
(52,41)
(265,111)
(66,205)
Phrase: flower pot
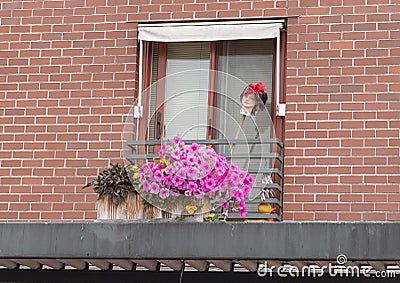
(151,212)
(130,209)
(190,209)
(134,206)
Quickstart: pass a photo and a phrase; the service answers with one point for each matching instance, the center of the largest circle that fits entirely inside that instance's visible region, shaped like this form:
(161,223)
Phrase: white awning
(210,31)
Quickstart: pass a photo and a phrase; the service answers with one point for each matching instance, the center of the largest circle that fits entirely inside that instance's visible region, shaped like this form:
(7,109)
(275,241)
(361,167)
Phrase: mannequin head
(253,98)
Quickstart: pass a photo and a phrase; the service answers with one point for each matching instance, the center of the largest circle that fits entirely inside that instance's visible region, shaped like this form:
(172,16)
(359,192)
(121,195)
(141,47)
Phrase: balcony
(254,161)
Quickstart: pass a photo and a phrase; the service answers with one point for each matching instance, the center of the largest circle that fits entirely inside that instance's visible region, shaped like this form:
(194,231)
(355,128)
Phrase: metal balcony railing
(146,150)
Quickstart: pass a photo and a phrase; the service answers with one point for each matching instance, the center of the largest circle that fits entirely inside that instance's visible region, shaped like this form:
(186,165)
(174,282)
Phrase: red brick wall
(67,82)
(343,103)
(68,78)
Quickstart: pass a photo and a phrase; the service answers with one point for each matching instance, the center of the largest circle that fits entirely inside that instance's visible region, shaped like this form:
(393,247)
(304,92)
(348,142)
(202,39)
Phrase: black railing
(144,150)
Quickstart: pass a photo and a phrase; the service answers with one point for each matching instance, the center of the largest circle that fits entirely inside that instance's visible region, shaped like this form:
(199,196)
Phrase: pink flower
(182,172)
(230,183)
(145,186)
(209,183)
(154,188)
(243,212)
(225,204)
(194,147)
(192,186)
(234,167)
(185,163)
(163,150)
(205,168)
(164,193)
(142,169)
(168,170)
(158,176)
(198,194)
(176,181)
(242,175)
(142,178)
(235,178)
(198,171)
(168,180)
(250,180)
(192,173)
(192,159)
(176,154)
(176,140)
(246,190)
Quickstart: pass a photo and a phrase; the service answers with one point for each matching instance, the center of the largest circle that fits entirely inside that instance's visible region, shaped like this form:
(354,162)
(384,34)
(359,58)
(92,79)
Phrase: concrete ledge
(359,241)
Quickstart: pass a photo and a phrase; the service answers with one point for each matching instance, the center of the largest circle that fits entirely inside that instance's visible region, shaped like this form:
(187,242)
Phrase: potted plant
(117,196)
(188,180)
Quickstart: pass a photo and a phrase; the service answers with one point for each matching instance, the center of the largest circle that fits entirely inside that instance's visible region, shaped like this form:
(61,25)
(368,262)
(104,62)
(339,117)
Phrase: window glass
(243,62)
(186,90)
(240,63)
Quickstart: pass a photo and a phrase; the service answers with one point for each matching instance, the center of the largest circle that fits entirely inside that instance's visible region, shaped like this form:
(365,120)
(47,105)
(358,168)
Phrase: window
(192,76)
(190,82)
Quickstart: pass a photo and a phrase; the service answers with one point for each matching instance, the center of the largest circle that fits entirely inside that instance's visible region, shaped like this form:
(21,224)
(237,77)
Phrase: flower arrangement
(196,171)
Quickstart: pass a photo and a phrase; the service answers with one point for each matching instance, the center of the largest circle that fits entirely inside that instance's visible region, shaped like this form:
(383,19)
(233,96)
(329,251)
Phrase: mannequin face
(248,102)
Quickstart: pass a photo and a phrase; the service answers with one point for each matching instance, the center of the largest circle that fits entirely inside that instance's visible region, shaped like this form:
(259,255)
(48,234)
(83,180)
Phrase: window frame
(145,80)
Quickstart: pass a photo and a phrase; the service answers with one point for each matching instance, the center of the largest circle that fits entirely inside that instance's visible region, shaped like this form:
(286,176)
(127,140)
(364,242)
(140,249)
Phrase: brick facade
(68,79)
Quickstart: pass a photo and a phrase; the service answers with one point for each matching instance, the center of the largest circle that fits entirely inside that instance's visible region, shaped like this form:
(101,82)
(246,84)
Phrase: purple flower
(198,194)
(185,163)
(246,190)
(158,176)
(164,193)
(182,172)
(192,186)
(192,159)
(142,178)
(176,154)
(235,178)
(233,168)
(225,204)
(168,170)
(194,147)
(142,170)
(198,171)
(230,183)
(192,173)
(163,150)
(205,168)
(154,188)
(168,180)
(242,175)
(243,212)
(145,186)
(210,183)
(250,180)
(176,181)
(176,140)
